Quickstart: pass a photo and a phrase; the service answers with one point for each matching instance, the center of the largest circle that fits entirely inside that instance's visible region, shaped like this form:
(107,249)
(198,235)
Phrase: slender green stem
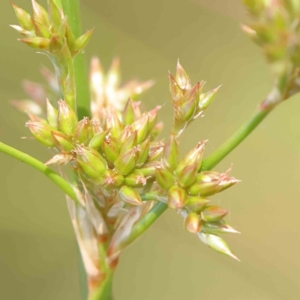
(23,157)
(141,226)
(160,207)
(235,139)
(72,10)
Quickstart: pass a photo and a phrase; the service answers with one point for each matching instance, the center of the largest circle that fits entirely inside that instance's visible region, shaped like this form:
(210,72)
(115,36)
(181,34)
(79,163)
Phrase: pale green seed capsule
(37,42)
(164,178)
(130,195)
(83,131)
(62,141)
(170,153)
(188,175)
(213,213)
(110,148)
(136,179)
(98,139)
(67,119)
(82,41)
(177,197)
(126,162)
(182,78)
(143,152)
(23,17)
(193,223)
(128,113)
(40,15)
(196,204)
(42,132)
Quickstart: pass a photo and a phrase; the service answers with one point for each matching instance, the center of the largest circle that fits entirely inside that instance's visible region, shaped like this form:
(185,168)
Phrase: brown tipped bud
(142,127)
(206,184)
(193,223)
(164,178)
(188,175)
(40,15)
(126,162)
(52,114)
(188,107)
(62,141)
(23,17)
(213,213)
(67,119)
(152,115)
(82,41)
(59,159)
(130,196)
(206,98)
(130,142)
(196,204)
(156,149)
(42,132)
(136,179)
(182,78)
(216,243)
(111,179)
(83,131)
(91,162)
(128,113)
(195,156)
(37,42)
(177,197)
(55,13)
(218,227)
(110,148)
(143,152)
(98,139)
(175,90)
(170,154)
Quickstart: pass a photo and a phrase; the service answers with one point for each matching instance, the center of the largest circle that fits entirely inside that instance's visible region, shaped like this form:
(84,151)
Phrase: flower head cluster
(121,169)
(275,28)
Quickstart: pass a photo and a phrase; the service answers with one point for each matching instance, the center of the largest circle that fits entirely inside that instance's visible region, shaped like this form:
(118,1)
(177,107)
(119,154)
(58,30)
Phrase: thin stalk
(230,144)
(72,10)
(159,208)
(38,165)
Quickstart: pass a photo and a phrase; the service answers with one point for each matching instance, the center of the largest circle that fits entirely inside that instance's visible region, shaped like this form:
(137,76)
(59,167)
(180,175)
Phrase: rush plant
(117,174)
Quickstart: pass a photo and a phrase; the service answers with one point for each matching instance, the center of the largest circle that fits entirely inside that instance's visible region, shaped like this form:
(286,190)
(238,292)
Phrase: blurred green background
(38,256)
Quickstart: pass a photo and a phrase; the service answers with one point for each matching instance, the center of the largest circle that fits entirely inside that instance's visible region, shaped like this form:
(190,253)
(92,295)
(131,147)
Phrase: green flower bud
(143,152)
(188,106)
(37,42)
(91,162)
(182,78)
(195,156)
(52,114)
(177,197)
(113,123)
(130,196)
(213,213)
(218,227)
(67,119)
(216,243)
(175,90)
(188,175)
(111,179)
(206,184)
(69,37)
(55,14)
(62,141)
(82,41)
(136,179)
(23,17)
(98,139)
(128,113)
(41,30)
(155,151)
(170,154)
(193,223)
(130,142)
(110,148)
(83,131)
(126,162)
(164,178)
(196,204)
(42,132)
(142,127)
(40,15)
(206,98)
